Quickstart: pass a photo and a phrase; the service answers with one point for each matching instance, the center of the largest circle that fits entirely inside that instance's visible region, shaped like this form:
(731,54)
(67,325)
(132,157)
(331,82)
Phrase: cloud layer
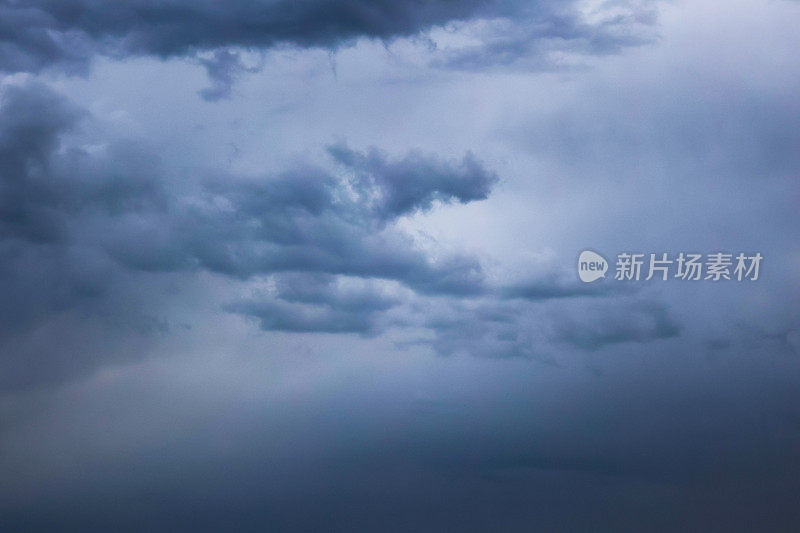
(325,241)
(66,35)
(344,301)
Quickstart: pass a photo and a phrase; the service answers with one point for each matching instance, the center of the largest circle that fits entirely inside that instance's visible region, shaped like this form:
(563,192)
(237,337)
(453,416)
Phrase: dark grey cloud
(79,227)
(37,34)
(169,28)
(223,67)
(44,192)
(28,44)
(320,303)
(415,182)
(596,327)
(41,186)
(545,40)
(284,316)
(499,329)
(31,121)
(486,330)
(489,325)
(309,220)
(303,219)
(658,406)
(555,286)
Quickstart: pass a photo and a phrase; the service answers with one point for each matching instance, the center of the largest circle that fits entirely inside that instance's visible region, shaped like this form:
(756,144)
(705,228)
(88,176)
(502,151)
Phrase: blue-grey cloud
(320,303)
(554,287)
(69,213)
(415,182)
(299,220)
(223,67)
(543,39)
(76,223)
(499,329)
(556,405)
(44,193)
(597,327)
(38,34)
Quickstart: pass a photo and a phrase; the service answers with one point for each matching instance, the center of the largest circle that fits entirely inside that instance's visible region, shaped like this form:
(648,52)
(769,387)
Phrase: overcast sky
(304,265)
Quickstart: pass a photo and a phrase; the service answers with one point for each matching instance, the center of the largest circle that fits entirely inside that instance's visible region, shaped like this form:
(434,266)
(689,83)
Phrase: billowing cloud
(224,67)
(304,219)
(313,302)
(77,221)
(321,303)
(414,182)
(39,34)
(75,218)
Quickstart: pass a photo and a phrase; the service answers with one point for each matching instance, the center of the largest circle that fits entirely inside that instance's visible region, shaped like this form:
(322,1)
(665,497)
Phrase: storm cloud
(336,289)
(326,238)
(114,213)
(66,35)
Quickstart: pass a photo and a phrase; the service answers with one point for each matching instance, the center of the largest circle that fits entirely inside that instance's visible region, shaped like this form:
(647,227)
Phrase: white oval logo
(591,266)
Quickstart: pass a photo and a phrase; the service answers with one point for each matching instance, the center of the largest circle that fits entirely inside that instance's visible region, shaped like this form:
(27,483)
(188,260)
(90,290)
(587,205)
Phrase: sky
(312,265)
